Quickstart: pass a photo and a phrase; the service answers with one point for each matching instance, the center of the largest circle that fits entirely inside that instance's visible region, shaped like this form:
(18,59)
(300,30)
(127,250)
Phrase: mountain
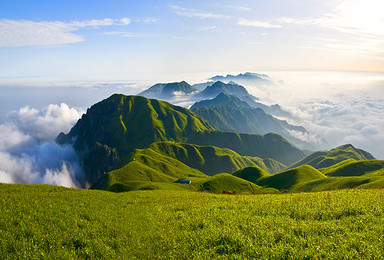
(168,90)
(271,145)
(114,128)
(252,174)
(220,87)
(229,113)
(227,182)
(213,160)
(221,99)
(287,180)
(352,167)
(202,86)
(324,159)
(245,78)
(169,161)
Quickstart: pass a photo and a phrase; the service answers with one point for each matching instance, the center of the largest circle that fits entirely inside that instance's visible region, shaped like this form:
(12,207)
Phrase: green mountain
(229,113)
(252,174)
(352,167)
(168,90)
(170,161)
(116,126)
(325,159)
(227,182)
(212,160)
(270,145)
(287,180)
(112,129)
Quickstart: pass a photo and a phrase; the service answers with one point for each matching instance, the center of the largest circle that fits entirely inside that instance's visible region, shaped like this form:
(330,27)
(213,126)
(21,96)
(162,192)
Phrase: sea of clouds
(28,151)
(335,109)
(340,107)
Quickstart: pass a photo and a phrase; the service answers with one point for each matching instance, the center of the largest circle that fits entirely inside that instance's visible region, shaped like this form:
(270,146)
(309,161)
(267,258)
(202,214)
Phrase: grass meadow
(48,222)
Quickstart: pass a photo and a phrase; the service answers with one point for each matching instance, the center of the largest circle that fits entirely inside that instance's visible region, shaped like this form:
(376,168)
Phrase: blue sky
(134,39)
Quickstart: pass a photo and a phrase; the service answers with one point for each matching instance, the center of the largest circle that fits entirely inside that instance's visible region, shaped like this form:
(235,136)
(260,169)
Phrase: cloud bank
(28,153)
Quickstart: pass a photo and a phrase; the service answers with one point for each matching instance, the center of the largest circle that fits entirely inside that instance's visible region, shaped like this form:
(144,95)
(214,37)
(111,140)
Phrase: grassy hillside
(264,146)
(212,160)
(328,158)
(287,180)
(354,168)
(114,128)
(227,182)
(251,174)
(47,222)
(170,161)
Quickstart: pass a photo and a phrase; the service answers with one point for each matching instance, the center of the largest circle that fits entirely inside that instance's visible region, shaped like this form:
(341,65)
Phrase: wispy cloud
(190,12)
(256,23)
(212,28)
(30,33)
(128,34)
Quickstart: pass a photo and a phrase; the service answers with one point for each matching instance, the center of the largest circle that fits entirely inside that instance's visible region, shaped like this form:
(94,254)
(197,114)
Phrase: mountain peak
(221,99)
(168,90)
(220,87)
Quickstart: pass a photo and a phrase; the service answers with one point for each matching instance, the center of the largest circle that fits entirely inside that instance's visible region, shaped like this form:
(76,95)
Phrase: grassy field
(40,221)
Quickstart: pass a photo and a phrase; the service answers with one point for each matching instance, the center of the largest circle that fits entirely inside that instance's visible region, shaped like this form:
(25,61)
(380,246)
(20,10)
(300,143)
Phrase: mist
(28,152)
(341,107)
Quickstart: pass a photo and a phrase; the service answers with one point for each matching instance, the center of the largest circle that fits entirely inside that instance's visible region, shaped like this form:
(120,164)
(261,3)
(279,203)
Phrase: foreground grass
(53,222)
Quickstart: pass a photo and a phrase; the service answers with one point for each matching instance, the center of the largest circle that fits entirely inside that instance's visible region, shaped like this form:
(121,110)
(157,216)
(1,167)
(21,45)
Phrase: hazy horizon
(57,58)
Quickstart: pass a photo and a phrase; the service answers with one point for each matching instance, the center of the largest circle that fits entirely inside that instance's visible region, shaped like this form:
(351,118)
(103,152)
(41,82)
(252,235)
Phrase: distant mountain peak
(247,77)
(221,87)
(168,90)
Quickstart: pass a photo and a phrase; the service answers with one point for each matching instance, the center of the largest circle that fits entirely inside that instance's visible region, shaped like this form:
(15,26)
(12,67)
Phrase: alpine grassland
(49,222)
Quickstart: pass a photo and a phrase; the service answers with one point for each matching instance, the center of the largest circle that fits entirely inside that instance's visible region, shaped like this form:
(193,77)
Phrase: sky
(137,40)
(58,57)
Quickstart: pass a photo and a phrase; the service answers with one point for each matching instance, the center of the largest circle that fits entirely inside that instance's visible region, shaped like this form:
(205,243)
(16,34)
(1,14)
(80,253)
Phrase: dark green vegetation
(109,134)
(47,222)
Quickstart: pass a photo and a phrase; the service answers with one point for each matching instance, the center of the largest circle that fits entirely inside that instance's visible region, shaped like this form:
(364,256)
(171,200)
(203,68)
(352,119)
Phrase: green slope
(328,158)
(287,180)
(169,161)
(264,146)
(251,174)
(227,182)
(212,160)
(354,168)
(114,128)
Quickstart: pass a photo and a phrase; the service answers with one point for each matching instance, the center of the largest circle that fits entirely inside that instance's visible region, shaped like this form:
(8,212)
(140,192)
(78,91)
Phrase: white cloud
(30,33)
(28,153)
(212,28)
(346,119)
(128,34)
(43,125)
(256,23)
(189,12)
